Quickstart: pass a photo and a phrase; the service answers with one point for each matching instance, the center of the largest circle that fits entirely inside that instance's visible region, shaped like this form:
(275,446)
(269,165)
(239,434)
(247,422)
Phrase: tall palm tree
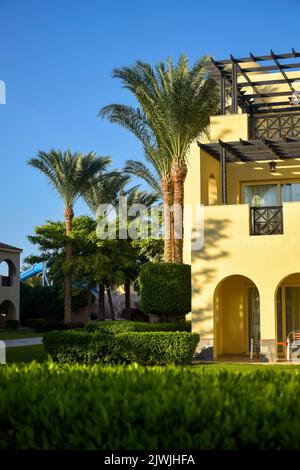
(71,174)
(175,103)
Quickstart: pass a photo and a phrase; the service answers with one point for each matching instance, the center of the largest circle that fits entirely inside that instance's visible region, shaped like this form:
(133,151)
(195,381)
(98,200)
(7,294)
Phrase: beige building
(9,283)
(246,278)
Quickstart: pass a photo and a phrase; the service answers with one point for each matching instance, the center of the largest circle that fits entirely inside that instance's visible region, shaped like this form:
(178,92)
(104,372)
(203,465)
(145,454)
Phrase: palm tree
(71,174)
(175,103)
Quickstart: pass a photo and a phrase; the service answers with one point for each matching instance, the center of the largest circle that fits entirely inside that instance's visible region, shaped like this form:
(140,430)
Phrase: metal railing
(266,220)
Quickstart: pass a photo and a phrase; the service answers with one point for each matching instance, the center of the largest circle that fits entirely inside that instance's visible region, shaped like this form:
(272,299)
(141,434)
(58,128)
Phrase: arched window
(212,191)
(7,272)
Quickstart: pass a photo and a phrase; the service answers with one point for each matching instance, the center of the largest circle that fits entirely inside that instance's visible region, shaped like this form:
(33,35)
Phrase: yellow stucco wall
(230,250)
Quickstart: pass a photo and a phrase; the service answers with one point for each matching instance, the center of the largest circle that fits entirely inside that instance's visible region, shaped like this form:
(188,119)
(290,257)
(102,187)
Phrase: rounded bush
(165,289)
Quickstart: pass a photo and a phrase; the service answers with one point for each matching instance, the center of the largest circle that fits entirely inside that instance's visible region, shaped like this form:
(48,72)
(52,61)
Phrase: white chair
(293,346)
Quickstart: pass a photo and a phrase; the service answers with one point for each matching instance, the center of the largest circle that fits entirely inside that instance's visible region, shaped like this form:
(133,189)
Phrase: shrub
(165,289)
(13,324)
(42,325)
(46,302)
(58,407)
(144,348)
(107,327)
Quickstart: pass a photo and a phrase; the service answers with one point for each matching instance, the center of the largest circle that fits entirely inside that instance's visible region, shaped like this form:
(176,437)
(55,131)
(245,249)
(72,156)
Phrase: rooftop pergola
(255,150)
(252,86)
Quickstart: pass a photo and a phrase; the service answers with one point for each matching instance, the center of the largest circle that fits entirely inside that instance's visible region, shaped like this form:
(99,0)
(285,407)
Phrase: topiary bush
(146,348)
(165,289)
(113,327)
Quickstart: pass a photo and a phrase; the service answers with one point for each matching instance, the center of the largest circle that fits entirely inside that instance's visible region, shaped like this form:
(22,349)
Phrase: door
(253,319)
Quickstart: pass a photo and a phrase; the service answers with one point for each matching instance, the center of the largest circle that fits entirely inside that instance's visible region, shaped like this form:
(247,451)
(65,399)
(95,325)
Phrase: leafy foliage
(165,289)
(147,348)
(159,408)
(110,327)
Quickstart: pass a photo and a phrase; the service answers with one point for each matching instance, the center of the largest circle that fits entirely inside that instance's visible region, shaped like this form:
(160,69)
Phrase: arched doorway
(7,312)
(287,308)
(7,273)
(236,316)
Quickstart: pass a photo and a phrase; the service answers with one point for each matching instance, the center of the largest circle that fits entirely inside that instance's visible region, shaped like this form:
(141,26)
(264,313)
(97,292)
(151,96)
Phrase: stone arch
(7,312)
(7,272)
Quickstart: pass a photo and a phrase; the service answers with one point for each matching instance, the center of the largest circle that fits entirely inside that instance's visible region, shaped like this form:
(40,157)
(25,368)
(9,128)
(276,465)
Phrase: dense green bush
(106,327)
(55,406)
(144,348)
(42,325)
(12,324)
(165,289)
(46,302)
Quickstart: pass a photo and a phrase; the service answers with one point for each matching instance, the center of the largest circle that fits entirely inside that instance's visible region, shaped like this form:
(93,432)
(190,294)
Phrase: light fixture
(272,166)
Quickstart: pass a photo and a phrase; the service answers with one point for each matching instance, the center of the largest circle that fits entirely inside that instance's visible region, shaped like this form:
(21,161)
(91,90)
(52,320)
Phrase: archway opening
(7,273)
(237,316)
(7,312)
(287,309)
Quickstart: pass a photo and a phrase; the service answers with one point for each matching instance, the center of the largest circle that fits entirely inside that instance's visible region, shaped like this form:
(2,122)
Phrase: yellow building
(246,278)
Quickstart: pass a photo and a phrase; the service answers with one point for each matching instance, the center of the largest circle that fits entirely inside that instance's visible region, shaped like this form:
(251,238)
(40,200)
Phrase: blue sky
(56,60)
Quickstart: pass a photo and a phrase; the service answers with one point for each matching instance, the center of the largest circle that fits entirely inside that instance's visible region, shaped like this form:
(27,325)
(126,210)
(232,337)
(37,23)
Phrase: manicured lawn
(245,368)
(26,354)
(18,334)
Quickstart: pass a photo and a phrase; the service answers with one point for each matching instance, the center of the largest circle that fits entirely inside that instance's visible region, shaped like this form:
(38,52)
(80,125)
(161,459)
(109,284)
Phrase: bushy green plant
(144,348)
(12,324)
(42,325)
(113,327)
(165,289)
(56,406)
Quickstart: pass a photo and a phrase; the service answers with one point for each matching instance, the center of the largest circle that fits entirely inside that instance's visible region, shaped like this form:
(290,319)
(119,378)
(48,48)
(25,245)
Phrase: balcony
(275,126)
(266,220)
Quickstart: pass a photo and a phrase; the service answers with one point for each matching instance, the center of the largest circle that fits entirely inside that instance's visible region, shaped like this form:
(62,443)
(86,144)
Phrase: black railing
(266,220)
(275,126)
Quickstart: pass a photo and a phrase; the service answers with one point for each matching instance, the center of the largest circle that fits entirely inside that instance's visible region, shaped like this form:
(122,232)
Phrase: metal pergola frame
(228,71)
(250,151)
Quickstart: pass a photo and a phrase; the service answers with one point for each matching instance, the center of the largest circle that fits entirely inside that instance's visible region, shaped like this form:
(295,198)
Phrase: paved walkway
(14,343)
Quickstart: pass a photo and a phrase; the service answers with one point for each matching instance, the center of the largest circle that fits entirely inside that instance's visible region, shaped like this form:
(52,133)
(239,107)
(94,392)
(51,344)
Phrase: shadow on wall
(203,265)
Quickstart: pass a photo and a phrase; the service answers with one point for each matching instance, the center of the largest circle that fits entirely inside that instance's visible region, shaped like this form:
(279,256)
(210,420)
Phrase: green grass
(26,354)
(18,334)
(245,368)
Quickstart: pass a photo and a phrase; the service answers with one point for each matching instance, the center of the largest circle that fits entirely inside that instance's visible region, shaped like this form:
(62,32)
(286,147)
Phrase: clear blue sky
(56,57)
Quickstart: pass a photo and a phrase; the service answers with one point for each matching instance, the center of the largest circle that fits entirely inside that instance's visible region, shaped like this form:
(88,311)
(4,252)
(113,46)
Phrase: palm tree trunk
(101,314)
(111,305)
(69,214)
(127,298)
(179,171)
(89,304)
(172,236)
(167,201)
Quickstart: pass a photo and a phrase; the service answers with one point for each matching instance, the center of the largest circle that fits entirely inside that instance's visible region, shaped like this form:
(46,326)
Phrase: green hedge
(107,327)
(42,325)
(144,348)
(165,289)
(54,406)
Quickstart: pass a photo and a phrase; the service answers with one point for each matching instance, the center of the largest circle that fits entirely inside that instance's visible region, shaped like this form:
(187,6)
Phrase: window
(261,195)
(290,192)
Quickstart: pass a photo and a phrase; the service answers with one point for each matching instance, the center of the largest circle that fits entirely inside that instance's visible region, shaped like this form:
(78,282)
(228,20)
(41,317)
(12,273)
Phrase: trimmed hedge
(54,406)
(165,289)
(42,325)
(12,324)
(144,348)
(113,327)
